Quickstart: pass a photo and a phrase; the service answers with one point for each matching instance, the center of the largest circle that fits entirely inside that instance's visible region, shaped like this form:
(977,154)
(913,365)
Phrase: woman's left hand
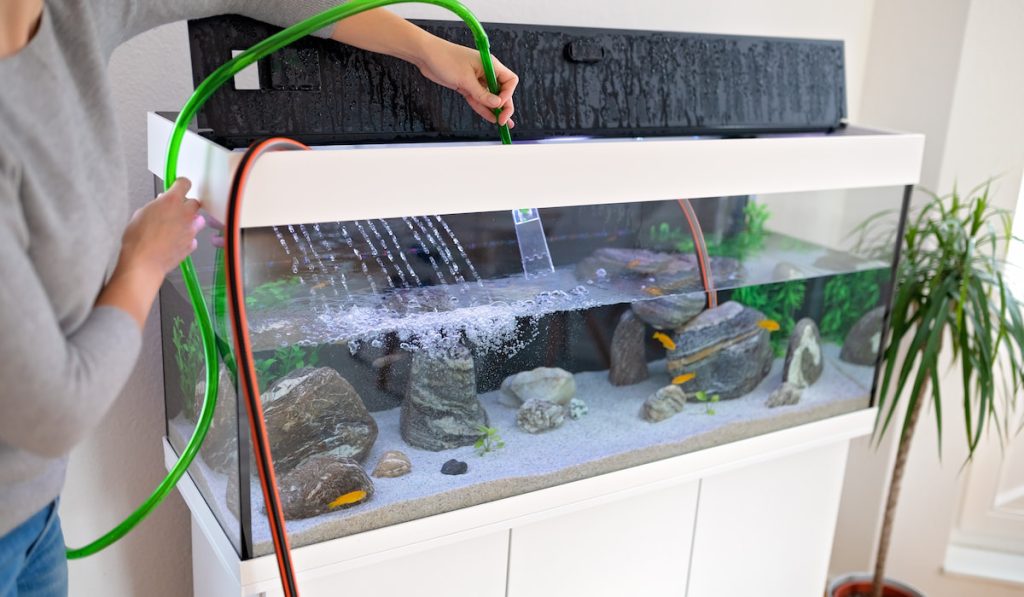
(459,68)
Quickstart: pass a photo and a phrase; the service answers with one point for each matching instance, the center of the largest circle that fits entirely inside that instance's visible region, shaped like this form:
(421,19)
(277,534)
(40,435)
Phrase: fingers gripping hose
(202,93)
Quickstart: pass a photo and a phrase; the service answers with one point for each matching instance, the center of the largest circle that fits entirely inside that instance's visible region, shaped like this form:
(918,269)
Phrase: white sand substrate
(611,437)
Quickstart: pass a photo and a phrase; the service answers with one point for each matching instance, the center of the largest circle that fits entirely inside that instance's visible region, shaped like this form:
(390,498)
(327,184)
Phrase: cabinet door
(635,546)
(471,568)
(767,529)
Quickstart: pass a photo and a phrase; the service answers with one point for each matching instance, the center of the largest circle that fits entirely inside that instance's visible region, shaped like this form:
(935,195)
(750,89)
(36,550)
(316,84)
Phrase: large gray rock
(725,349)
(670,312)
(654,272)
(441,410)
(804,362)
(543,383)
(321,484)
(536,416)
(629,365)
(663,404)
(220,448)
(316,411)
(864,340)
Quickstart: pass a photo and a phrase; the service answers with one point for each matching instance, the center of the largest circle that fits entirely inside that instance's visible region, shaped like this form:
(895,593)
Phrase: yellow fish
(633,263)
(654,291)
(665,340)
(685,377)
(769,324)
(352,497)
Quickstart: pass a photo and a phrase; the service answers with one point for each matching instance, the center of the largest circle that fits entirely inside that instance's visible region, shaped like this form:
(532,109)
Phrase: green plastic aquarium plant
(285,360)
(272,294)
(950,293)
(737,246)
(490,440)
(780,302)
(847,298)
(188,356)
(708,401)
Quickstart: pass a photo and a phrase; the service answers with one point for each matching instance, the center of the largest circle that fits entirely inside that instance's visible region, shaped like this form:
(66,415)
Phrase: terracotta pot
(858,585)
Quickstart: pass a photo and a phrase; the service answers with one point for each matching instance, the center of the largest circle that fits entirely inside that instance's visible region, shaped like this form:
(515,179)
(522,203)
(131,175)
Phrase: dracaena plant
(950,293)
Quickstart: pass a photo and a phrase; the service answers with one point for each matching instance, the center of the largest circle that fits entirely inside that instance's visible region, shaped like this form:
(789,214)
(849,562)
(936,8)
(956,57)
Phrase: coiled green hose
(188,272)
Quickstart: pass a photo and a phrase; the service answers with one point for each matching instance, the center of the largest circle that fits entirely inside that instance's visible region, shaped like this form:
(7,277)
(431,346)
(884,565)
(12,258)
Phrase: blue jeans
(32,560)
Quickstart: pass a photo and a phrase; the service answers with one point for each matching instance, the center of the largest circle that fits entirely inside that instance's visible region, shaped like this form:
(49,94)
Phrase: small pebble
(454,467)
(577,408)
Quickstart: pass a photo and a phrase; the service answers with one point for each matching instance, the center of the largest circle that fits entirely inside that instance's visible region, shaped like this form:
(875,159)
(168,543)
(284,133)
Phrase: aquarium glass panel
(416,365)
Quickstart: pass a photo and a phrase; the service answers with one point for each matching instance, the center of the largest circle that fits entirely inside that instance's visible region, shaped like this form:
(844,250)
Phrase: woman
(73,299)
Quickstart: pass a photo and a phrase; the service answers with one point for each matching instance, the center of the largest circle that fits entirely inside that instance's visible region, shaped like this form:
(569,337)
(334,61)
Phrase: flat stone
(803,364)
(577,409)
(316,411)
(865,339)
(441,410)
(323,483)
(537,416)
(670,312)
(784,395)
(663,404)
(628,359)
(609,263)
(454,467)
(724,349)
(543,383)
(392,464)
(784,271)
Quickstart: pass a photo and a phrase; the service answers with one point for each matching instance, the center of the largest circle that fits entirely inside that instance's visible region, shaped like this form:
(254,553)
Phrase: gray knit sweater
(63,209)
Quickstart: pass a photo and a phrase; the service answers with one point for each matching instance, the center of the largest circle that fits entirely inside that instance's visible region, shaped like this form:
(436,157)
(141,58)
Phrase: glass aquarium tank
(415,365)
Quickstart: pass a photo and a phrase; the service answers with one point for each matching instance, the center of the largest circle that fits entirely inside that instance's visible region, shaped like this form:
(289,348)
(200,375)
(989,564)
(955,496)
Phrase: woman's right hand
(163,232)
(159,236)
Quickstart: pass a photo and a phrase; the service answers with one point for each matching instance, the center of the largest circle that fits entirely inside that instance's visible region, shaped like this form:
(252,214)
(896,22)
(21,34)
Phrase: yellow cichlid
(769,324)
(685,377)
(654,291)
(665,340)
(352,497)
(633,263)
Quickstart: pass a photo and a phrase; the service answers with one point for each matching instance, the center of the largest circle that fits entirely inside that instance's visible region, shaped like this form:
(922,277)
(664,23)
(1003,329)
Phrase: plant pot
(859,585)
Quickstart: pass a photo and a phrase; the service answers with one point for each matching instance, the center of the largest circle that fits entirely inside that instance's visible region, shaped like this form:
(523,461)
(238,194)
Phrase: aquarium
(414,365)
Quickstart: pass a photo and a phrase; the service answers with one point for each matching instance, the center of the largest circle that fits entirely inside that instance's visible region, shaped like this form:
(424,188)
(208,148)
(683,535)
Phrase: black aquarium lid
(573,81)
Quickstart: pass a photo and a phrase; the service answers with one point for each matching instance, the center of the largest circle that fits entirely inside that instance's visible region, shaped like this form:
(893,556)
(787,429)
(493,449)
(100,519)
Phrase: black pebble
(455,467)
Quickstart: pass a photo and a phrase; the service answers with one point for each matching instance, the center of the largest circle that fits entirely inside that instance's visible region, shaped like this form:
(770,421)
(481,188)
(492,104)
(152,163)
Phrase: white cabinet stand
(754,517)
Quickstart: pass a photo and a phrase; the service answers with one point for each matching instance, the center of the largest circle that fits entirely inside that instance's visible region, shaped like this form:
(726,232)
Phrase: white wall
(116,469)
(953,69)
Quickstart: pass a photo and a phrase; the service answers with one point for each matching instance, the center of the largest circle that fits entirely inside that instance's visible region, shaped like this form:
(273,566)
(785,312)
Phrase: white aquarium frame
(341,183)
(744,530)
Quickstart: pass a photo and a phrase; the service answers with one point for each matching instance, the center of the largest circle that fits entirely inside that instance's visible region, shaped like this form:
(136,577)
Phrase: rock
(670,312)
(786,271)
(441,410)
(220,448)
(454,467)
(803,363)
(536,416)
(652,271)
(864,340)
(316,411)
(392,464)
(725,349)
(784,395)
(663,404)
(323,483)
(543,383)
(577,409)
(838,261)
(629,363)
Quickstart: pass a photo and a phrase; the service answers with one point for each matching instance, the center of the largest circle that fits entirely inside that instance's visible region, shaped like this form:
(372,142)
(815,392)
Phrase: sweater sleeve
(57,385)
(121,20)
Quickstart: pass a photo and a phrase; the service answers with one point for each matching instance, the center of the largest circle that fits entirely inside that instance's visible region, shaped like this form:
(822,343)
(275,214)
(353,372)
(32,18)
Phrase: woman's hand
(459,68)
(159,236)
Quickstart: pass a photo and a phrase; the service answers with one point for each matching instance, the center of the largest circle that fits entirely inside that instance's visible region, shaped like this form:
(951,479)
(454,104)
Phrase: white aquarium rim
(340,183)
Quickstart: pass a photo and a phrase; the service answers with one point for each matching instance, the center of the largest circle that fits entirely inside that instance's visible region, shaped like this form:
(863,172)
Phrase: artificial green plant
(188,356)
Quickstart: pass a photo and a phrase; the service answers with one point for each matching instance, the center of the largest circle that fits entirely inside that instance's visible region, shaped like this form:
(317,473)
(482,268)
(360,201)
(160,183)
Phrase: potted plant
(950,293)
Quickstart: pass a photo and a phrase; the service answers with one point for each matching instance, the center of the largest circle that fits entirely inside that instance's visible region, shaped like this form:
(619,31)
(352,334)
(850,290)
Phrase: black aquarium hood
(573,82)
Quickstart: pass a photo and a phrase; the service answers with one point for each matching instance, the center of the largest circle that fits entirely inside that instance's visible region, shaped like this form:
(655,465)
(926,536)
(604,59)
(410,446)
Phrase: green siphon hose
(217,78)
